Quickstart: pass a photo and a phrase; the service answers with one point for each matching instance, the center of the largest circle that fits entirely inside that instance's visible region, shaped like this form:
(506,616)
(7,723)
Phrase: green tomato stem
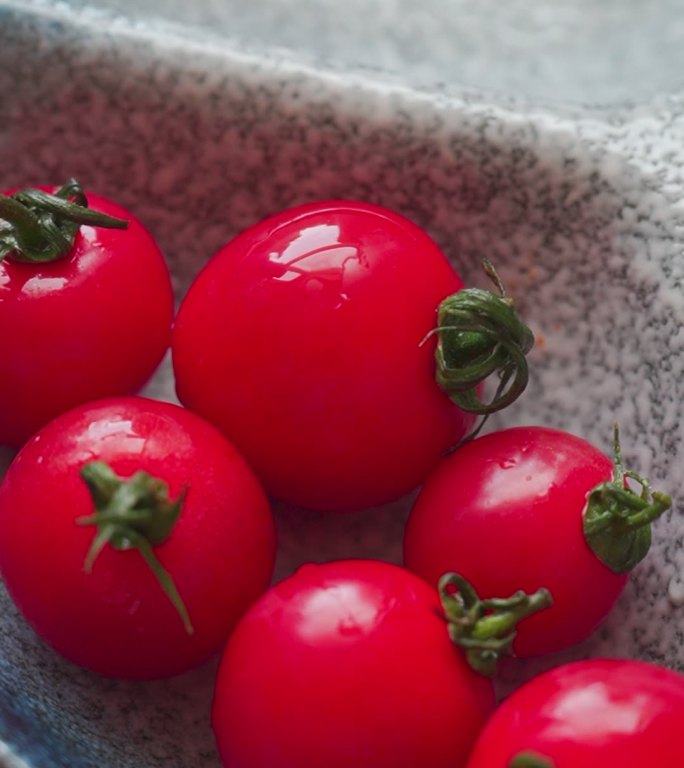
(39,227)
(134,513)
(617,520)
(480,334)
(530,760)
(486,628)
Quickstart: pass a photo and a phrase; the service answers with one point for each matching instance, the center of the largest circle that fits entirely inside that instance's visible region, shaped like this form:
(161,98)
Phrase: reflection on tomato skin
(506,511)
(347,663)
(597,713)
(303,341)
(93,324)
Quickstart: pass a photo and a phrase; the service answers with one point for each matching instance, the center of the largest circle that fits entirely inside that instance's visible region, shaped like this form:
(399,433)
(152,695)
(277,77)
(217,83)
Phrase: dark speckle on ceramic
(203,129)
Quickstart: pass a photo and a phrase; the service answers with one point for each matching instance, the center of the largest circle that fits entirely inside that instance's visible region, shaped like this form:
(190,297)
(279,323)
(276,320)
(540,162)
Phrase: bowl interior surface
(565,51)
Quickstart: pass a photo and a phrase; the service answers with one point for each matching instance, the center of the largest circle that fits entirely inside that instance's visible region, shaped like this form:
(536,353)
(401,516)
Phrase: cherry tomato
(163,482)
(509,511)
(88,323)
(304,340)
(347,663)
(594,713)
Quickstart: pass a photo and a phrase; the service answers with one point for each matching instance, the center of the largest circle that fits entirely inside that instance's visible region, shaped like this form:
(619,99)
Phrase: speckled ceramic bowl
(548,136)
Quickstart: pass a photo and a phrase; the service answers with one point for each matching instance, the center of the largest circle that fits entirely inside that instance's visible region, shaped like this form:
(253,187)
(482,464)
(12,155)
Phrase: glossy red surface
(301,340)
(93,324)
(347,664)
(599,713)
(505,511)
(116,620)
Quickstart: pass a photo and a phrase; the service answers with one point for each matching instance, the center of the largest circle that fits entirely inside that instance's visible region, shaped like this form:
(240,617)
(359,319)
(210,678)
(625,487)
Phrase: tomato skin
(505,511)
(116,620)
(594,713)
(93,324)
(347,663)
(301,340)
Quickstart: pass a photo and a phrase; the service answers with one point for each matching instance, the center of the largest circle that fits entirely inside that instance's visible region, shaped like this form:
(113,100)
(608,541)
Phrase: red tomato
(599,713)
(506,511)
(347,664)
(301,340)
(117,619)
(91,324)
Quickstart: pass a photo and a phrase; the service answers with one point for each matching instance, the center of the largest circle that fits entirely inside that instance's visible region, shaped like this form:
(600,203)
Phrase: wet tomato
(133,536)
(347,663)
(89,301)
(307,341)
(532,507)
(593,713)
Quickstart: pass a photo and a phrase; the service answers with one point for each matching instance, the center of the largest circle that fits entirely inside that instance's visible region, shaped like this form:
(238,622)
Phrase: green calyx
(530,760)
(133,513)
(480,334)
(485,629)
(617,520)
(39,227)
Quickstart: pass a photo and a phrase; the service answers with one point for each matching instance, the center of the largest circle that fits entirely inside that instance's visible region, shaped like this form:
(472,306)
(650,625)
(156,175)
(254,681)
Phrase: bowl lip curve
(179,45)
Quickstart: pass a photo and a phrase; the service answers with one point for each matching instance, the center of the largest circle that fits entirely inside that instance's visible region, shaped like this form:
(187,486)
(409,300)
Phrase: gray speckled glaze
(467,122)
